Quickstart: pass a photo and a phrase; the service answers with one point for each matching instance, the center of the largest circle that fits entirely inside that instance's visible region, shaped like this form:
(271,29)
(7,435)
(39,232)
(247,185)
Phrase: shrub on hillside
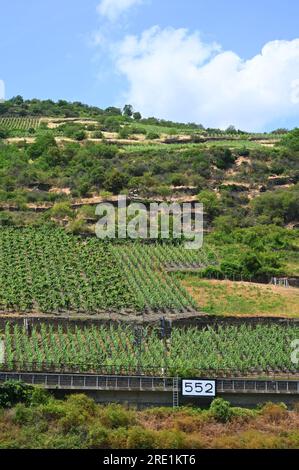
(12,392)
(98,437)
(152,136)
(139,438)
(274,413)
(116,416)
(221,410)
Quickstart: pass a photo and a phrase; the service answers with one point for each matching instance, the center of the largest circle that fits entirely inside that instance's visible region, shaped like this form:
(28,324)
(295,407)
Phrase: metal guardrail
(155,371)
(253,386)
(146,384)
(92,382)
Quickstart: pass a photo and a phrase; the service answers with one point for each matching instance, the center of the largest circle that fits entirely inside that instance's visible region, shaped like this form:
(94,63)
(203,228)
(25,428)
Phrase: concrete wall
(197,321)
(136,399)
(156,399)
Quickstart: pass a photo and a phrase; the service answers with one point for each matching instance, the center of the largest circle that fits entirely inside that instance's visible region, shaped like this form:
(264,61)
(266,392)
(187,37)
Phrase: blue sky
(107,52)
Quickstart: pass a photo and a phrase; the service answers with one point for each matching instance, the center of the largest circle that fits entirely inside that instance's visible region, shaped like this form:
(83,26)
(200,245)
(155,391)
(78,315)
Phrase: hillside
(59,160)
(71,303)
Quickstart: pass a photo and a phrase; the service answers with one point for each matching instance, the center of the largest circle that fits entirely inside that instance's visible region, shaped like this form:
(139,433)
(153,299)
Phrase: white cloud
(97,38)
(172,74)
(2,90)
(112,9)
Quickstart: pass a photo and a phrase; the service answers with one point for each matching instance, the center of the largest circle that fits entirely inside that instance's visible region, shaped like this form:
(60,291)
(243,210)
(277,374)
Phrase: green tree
(115,182)
(211,202)
(128,110)
(12,392)
(281,206)
(137,116)
(43,143)
(80,135)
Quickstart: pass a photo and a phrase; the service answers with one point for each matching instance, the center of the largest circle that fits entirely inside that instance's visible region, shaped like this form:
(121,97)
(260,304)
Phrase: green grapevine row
(236,348)
(179,257)
(155,288)
(17,123)
(46,270)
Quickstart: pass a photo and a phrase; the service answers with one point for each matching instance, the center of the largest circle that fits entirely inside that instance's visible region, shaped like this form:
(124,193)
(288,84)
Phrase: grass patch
(241,298)
(232,144)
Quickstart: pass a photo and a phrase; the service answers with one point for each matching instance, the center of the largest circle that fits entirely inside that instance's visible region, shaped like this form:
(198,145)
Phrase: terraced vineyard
(177,257)
(17,123)
(146,276)
(124,349)
(46,270)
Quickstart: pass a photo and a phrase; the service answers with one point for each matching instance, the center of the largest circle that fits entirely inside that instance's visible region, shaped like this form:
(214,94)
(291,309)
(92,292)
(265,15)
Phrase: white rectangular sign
(199,388)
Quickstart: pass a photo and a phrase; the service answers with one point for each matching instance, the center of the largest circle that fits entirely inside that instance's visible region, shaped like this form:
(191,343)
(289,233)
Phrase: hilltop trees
(137,116)
(128,110)
(20,107)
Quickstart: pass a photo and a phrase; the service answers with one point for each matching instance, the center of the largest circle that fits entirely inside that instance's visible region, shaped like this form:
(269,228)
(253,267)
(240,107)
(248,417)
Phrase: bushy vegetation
(29,171)
(279,207)
(89,168)
(13,393)
(253,253)
(78,423)
(17,106)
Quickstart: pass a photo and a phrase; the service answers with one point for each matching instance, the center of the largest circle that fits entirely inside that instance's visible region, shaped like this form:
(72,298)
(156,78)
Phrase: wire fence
(158,370)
